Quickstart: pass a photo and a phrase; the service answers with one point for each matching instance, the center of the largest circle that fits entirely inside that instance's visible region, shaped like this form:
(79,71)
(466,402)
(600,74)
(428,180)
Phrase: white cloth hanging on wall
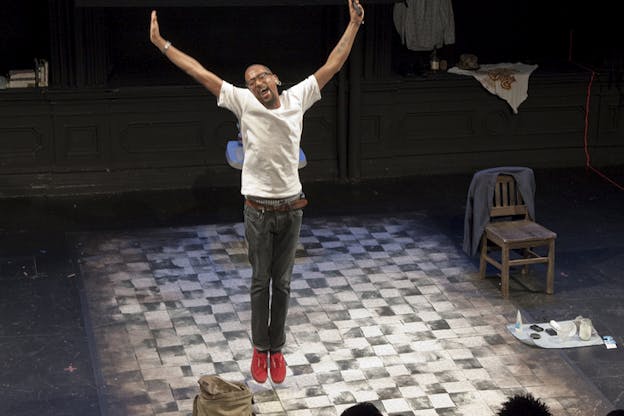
(425,25)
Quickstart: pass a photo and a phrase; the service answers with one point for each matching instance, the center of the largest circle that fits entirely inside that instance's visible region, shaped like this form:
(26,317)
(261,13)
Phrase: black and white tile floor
(383,309)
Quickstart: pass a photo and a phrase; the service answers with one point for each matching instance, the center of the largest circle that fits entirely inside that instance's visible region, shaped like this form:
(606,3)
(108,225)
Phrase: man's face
(263,84)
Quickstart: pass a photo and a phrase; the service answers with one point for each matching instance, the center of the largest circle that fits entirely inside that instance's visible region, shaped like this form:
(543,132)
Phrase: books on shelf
(22,74)
(22,78)
(27,78)
(21,83)
(41,68)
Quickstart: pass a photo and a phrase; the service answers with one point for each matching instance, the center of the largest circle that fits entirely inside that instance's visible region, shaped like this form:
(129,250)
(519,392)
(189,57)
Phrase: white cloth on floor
(552,341)
(508,81)
(425,25)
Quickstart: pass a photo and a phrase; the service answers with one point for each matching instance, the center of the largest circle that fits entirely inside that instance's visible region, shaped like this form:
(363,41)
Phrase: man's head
(362,409)
(263,84)
(524,405)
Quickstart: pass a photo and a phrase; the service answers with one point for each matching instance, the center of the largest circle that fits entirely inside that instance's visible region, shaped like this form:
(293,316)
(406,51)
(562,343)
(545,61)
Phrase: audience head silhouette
(362,409)
(524,405)
(616,412)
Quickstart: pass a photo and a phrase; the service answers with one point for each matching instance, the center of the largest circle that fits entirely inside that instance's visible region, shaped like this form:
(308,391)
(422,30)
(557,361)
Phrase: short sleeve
(307,91)
(231,98)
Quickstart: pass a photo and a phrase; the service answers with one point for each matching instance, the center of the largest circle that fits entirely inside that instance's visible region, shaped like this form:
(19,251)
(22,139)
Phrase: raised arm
(183,61)
(341,51)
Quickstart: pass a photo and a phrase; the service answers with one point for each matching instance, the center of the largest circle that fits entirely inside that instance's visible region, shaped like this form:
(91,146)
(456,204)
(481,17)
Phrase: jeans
(272,239)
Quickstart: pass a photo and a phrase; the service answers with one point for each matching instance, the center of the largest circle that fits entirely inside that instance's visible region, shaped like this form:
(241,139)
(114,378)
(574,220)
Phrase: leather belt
(290,206)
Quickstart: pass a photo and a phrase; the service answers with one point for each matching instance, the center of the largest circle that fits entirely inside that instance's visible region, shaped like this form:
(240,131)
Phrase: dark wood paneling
(448,124)
(24,143)
(81,132)
(26,133)
(77,141)
(446,163)
(168,131)
(80,142)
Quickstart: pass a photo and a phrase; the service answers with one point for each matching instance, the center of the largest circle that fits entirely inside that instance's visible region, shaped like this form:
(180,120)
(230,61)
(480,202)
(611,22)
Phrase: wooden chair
(511,230)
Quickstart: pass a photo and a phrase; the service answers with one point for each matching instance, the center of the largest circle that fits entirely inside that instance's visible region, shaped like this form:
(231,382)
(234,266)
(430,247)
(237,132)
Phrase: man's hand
(155,37)
(341,51)
(356,11)
(183,61)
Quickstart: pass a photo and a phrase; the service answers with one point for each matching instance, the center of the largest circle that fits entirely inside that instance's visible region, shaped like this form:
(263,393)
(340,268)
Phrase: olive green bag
(219,397)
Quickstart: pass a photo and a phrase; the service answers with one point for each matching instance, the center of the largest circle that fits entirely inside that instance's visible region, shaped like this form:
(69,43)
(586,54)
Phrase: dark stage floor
(50,352)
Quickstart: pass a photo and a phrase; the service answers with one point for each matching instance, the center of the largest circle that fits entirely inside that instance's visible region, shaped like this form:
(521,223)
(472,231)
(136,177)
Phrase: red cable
(585,133)
(586,145)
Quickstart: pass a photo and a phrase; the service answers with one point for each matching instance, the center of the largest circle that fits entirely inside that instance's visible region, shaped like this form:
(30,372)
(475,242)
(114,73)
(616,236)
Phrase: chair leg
(482,262)
(505,271)
(550,277)
(526,254)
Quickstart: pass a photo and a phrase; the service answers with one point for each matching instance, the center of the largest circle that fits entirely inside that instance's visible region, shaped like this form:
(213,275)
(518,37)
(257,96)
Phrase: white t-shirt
(271,137)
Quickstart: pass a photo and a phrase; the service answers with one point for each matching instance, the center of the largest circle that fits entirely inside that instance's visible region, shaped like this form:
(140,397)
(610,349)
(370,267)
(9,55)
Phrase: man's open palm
(154,30)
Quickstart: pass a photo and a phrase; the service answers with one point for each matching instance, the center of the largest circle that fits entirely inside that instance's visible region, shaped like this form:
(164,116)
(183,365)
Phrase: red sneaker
(278,367)
(259,365)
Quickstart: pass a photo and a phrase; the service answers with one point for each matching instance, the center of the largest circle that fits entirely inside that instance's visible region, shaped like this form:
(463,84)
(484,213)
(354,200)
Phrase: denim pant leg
(284,249)
(272,239)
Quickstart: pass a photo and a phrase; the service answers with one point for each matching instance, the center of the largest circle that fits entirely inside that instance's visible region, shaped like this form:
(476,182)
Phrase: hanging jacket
(425,25)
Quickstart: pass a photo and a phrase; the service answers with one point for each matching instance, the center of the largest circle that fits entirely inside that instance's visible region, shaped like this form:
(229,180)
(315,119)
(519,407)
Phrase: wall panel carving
(20,146)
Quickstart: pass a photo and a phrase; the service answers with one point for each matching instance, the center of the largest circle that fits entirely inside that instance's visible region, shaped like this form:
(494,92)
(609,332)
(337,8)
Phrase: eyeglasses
(260,77)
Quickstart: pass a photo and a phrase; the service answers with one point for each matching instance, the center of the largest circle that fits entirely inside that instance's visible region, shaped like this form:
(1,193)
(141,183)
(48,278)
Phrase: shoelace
(277,361)
(262,363)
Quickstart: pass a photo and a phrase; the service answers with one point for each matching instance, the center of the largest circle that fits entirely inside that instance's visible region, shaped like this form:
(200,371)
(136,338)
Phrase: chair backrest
(507,199)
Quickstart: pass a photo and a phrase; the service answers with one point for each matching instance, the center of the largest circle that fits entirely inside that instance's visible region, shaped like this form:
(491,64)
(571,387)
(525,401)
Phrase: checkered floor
(386,310)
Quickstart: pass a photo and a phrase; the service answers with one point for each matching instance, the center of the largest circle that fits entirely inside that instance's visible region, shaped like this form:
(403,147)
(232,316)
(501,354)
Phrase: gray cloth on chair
(481,196)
